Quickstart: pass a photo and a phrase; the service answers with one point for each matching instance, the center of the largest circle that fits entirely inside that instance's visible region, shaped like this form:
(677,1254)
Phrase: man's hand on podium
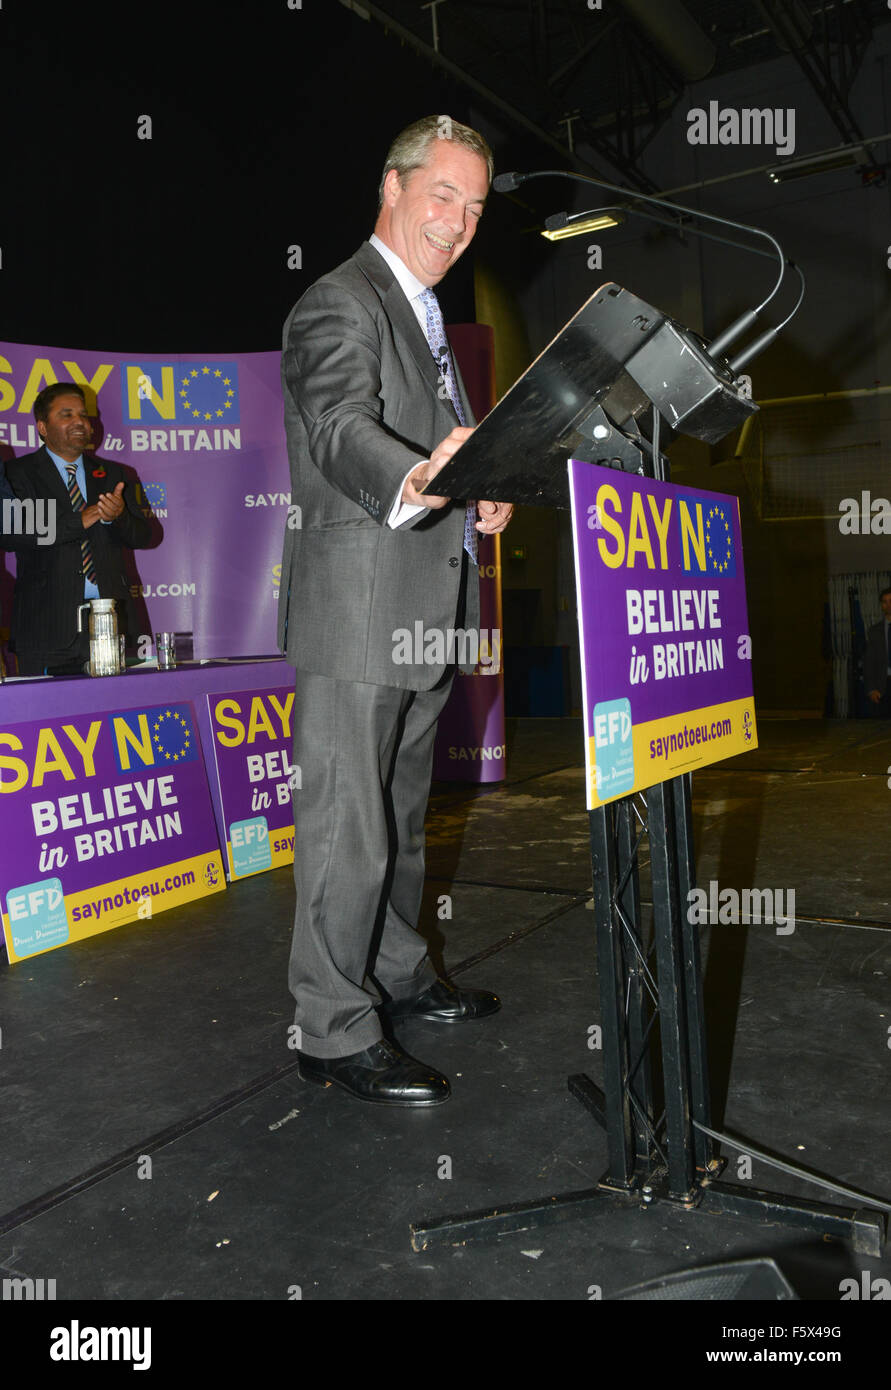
(428,470)
(494,516)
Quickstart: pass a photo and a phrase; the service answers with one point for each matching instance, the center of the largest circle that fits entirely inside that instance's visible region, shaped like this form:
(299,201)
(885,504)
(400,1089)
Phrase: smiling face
(432,220)
(67,430)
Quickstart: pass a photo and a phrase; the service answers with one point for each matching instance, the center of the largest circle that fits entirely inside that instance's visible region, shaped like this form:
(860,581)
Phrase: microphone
(505,183)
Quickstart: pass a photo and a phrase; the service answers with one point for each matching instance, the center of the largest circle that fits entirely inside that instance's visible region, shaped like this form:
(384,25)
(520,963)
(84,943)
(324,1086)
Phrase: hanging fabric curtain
(853,608)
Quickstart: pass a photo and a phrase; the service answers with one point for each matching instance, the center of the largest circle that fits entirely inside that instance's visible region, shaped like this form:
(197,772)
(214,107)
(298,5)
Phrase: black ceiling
(609,70)
(271,121)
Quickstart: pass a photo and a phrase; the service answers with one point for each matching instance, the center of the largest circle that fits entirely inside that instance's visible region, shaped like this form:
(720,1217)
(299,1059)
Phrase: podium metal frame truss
(652,1009)
(655,1116)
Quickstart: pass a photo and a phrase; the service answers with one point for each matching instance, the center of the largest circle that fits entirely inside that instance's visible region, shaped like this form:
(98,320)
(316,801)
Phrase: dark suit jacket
(10,539)
(362,407)
(49,578)
(875,659)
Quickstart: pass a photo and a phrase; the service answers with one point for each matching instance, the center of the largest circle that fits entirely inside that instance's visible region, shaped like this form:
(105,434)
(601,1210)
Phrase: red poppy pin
(98,472)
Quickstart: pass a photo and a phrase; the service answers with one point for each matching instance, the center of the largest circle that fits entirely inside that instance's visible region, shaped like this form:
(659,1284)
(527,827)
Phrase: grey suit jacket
(363,405)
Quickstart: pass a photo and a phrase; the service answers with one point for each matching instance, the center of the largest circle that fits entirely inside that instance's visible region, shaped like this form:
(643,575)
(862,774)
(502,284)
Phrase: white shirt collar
(62,464)
(409,283)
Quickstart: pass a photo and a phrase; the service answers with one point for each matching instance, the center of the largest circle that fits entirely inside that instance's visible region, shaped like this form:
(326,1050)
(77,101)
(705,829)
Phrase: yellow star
(205,371)
(218,372)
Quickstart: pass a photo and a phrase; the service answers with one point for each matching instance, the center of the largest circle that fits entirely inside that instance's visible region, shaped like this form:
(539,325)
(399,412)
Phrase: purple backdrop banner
(470,744)
(470,740)
(203,436)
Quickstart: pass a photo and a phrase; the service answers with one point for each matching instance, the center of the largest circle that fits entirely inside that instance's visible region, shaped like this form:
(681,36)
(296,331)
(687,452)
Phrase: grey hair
(411,148)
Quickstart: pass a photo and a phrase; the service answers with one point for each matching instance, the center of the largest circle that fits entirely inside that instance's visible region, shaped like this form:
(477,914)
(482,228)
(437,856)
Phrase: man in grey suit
(374,409)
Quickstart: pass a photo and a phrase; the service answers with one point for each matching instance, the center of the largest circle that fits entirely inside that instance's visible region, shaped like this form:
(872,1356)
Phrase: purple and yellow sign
(251,732)
(665,646)
(202,441)
(105,818)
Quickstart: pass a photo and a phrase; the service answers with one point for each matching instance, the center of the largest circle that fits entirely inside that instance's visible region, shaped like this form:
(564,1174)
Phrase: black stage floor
(167,1040)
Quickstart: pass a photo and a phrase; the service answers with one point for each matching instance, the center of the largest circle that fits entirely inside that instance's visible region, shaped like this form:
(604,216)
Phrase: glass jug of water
(105,649)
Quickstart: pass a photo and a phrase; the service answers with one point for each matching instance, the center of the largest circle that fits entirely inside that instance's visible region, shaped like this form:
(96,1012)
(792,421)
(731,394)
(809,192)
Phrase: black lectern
(618,373)
(584,396)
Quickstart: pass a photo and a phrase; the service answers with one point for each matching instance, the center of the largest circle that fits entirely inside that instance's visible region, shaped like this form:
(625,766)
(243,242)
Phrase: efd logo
(614,752)
(37,916)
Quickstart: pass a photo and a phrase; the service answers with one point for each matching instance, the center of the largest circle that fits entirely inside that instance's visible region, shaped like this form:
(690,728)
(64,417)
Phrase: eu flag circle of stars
(226,400)
(719,565)
(178,739)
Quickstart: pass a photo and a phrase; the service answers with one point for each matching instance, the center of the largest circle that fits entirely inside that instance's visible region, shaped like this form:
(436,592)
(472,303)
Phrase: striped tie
(439,346)
(77,503)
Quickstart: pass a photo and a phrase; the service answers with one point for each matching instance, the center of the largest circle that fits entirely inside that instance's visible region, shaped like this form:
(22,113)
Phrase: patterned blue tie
(439,346)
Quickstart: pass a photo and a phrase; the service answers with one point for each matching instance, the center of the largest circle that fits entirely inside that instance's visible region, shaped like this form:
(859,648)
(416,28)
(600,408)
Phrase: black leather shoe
(383,1073)
(445,1003)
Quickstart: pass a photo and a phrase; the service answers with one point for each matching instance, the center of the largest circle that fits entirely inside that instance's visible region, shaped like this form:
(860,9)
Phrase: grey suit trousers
(365,753)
